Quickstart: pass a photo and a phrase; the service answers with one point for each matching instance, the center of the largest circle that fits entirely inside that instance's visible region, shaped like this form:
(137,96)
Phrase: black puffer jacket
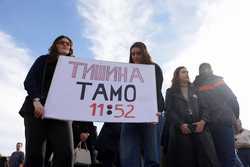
(222,103)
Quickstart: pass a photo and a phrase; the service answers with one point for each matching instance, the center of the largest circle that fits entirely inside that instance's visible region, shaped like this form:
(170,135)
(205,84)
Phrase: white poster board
(90,90)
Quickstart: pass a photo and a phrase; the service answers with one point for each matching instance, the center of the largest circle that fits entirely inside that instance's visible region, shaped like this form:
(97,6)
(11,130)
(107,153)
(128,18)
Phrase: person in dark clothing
(189,141)
(82,131)
(17,158)
(143,139)
(38,130)
(85,132)
(223,109)
(108,145)
(3,161)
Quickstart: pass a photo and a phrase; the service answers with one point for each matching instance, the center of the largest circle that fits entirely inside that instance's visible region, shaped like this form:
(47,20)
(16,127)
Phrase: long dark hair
(176,78)
(146,58)
(53,50)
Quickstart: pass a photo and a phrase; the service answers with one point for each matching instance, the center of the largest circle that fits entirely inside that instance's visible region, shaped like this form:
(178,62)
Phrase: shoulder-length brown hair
(176,78)
(53,49)
(146,58)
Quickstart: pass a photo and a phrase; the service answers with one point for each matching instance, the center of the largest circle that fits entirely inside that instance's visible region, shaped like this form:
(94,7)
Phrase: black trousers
(57,133)
(109,158)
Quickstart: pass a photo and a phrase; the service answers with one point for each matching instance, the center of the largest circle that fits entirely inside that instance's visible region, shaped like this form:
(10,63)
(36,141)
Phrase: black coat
(37,83)
(109,137)
(223,106)
(34,80)
(85,127)
(182,147)
(178,107)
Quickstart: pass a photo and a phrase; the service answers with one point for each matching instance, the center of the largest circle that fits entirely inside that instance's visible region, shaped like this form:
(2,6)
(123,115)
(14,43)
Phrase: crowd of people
(198,126)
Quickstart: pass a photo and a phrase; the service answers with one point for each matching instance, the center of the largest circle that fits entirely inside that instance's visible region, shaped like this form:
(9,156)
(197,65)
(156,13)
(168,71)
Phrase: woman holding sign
(38,130)
(189,140)
(142,141)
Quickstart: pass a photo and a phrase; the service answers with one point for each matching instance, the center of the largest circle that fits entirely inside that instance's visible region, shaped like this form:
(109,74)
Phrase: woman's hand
(184,129)
(84,136)
(158,114)
(38,109)
(152,124)
(199,126)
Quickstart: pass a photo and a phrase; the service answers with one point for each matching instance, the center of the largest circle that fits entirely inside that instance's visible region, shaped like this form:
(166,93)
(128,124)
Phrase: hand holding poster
(102,91)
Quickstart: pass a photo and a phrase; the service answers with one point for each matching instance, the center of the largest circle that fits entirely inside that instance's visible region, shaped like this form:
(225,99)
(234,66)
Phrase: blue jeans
(223,137)
(238,162)
(140,141)
(244,154)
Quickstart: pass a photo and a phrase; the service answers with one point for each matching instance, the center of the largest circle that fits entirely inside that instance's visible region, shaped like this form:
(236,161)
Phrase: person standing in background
(17,158)
(189,140)
(223,109)
(85,132)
